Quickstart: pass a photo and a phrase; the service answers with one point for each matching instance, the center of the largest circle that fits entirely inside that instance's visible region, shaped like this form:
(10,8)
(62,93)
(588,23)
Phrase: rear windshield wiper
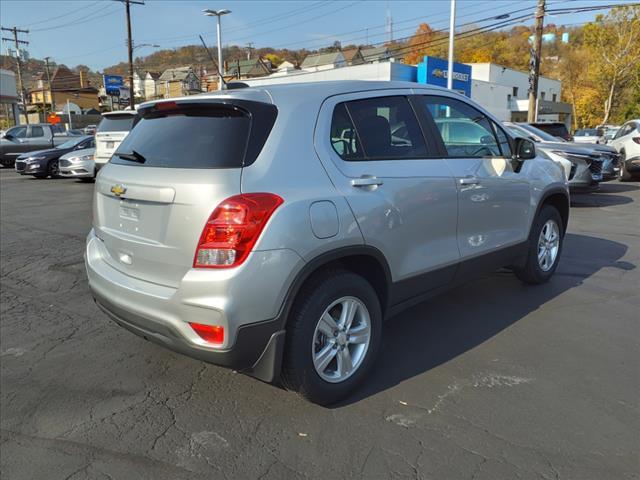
(133,156)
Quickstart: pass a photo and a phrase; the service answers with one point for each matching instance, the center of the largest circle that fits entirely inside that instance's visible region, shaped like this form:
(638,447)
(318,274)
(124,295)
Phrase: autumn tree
(615,41)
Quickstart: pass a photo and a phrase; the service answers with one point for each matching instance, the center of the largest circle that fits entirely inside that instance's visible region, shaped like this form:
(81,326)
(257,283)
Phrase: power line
(17,42)
(87,18)
(75,10)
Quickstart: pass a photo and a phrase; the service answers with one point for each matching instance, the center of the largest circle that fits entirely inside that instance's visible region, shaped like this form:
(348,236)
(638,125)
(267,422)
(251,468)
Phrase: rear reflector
(233,229)
(209,333)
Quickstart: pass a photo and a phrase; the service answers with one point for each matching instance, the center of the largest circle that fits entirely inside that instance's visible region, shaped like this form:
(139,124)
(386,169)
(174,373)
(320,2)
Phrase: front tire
(53,169)
(545,245)
(333,336)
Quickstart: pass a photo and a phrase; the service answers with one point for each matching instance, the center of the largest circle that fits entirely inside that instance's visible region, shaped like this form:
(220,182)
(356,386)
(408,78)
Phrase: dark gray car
(585,165)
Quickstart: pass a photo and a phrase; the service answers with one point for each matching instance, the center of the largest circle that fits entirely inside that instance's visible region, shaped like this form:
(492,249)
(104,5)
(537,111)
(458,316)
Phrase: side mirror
(524,149)
(8,136)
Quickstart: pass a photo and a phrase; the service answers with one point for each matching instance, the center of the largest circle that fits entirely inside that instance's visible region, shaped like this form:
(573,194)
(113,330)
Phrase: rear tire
(544,247)
(354,344)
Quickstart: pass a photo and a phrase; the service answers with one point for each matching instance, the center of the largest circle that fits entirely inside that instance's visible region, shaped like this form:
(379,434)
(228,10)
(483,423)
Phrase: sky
(93,32)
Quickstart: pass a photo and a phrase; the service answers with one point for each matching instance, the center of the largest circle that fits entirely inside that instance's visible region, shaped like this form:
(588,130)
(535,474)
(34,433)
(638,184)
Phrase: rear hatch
(113,128)
(180,161)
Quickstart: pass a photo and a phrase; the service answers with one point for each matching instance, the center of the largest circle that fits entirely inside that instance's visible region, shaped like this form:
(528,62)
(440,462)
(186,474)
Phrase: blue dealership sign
(434,71)
(112,84)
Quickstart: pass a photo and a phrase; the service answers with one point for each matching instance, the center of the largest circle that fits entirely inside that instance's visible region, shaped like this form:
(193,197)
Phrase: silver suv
(272,229)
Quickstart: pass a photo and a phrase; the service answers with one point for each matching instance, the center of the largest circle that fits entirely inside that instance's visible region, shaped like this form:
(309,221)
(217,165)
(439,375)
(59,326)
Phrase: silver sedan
(78,164)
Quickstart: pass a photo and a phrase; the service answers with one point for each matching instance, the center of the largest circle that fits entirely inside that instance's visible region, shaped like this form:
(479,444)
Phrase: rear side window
(37,132)
(213,135)
(381,128)
(116,123)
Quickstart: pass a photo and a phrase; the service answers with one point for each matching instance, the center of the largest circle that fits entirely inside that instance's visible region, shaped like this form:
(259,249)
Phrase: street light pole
(452,32)
(218,13)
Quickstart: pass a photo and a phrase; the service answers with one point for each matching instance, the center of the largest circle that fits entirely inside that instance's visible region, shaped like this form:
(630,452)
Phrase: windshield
(521,132)
(71,143)
(188,137)
(542,136)
(589,132)
(116,123)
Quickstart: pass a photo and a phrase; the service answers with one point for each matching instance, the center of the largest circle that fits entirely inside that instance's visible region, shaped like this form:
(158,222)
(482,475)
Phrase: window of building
(542,95)
(554,97)
(515,92)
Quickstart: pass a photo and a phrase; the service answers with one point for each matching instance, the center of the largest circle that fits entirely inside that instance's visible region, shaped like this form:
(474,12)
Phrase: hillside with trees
(599,65)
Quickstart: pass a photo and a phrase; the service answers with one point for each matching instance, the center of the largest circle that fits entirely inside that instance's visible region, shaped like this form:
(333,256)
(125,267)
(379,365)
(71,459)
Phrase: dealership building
(502,91)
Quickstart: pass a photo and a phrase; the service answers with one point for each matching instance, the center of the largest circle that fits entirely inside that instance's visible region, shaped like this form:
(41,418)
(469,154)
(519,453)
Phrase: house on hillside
(353,56)
(242,69)
(323,61)
(151,85)
(176,82)
(65,85)
(138,83)
(376,54)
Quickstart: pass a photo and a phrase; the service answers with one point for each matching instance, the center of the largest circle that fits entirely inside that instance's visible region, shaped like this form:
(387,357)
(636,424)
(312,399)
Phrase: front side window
(465,132)
(17,132)
(381,128)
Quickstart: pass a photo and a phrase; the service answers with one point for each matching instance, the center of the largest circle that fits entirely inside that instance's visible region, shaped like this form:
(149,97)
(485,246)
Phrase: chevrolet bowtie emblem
(118,190)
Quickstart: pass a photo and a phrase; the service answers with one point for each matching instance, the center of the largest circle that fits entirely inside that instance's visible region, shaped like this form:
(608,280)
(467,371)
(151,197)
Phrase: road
(494,380)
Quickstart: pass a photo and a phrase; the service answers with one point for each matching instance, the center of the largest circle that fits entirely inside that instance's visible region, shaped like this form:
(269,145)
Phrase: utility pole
(534,64)
(51,96)
(452,34)
(249,48)
(17,43)
(127,8)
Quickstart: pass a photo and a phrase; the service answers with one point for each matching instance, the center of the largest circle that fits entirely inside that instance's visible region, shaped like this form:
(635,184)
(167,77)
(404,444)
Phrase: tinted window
(591,132)
(555,129)
(116,123)
(503,140)
(344,138)
(465,131)
(17,132)
(387,128)
(542,136)
(189,137)
(37,132)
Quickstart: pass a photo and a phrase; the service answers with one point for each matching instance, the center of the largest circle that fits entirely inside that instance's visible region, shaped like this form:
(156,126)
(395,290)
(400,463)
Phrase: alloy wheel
(548,245)
(341,339)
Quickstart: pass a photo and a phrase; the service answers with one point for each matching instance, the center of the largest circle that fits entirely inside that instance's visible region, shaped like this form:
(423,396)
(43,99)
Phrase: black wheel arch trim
(324,259)
(543,201)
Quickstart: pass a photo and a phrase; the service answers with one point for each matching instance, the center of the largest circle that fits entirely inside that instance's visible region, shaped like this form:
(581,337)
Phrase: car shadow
(591,200)
(616,188)
(447,326)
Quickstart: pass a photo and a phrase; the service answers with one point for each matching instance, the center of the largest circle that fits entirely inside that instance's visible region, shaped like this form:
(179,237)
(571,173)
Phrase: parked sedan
(588,135)
(582,165)
(45,163)
(78,164)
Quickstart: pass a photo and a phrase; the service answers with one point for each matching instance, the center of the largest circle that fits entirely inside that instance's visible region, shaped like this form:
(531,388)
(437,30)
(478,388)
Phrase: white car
(627,143)
(588,135)
(112,130)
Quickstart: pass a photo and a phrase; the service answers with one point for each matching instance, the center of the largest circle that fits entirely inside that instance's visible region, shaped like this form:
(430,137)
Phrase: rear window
(555,129)
(210,135)
(116,123)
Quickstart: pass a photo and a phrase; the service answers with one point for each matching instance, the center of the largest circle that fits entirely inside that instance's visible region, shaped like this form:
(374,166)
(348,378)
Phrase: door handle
(366,182)
(469,181)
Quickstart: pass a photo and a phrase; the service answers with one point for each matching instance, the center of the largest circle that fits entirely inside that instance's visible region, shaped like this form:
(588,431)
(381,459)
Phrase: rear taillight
(209,333)
(636,139)
(233,229)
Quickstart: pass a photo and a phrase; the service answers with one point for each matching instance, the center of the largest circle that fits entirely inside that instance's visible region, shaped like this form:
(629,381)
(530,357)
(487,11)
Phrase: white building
(505,93)
(502,91)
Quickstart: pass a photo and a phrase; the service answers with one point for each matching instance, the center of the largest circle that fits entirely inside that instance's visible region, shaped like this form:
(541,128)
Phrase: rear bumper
(161,314)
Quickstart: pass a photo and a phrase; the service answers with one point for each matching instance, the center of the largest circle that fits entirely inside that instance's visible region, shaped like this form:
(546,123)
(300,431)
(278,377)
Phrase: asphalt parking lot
(494,380)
